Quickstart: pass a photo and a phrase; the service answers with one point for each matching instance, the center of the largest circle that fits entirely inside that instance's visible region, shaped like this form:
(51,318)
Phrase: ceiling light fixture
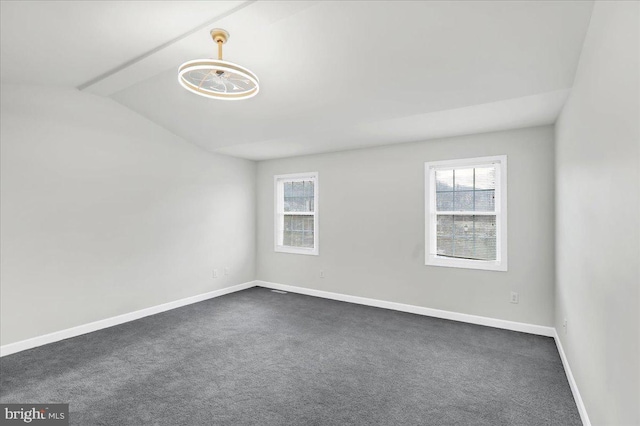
(218,79)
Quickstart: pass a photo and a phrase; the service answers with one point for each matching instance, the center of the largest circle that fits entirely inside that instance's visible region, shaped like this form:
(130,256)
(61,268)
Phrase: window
(466,213)
(296,216)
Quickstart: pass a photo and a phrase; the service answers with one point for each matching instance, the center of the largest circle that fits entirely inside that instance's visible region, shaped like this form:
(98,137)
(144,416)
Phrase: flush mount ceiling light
(218,79)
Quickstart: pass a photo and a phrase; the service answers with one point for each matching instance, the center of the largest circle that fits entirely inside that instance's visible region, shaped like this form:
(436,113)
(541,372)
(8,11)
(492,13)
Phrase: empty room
(320,213)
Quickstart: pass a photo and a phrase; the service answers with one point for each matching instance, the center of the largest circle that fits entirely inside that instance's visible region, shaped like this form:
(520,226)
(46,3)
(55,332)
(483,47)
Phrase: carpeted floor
(257,357)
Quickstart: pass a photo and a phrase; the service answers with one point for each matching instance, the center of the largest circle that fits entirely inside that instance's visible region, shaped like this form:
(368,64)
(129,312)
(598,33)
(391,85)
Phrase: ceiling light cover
(216,78)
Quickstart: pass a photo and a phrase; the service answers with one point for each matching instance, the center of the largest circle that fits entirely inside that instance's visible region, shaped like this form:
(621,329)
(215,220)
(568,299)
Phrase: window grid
(453,213)
(296,205)
(465,213)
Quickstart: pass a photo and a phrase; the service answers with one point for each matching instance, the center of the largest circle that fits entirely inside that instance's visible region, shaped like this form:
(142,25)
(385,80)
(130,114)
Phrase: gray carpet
(261,358)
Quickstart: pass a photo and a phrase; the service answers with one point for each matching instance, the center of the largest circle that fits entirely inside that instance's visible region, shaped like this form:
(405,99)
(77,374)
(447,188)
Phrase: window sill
(466,263)
(297,250)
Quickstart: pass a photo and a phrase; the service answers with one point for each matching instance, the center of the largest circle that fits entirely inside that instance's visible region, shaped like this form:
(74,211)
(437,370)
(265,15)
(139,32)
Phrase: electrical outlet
(321,274)
(226,271)
(564,326)
(514,297)
(215,273)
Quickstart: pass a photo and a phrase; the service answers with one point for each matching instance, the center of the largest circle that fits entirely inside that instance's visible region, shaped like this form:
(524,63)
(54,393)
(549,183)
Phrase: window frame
(279,181)
(431,259)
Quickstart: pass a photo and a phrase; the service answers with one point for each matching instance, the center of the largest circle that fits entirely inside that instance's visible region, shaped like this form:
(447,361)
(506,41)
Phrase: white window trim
(278,214)
(432,259)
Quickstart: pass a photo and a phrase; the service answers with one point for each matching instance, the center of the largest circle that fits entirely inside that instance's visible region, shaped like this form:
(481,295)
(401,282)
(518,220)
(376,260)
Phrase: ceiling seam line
(145,55)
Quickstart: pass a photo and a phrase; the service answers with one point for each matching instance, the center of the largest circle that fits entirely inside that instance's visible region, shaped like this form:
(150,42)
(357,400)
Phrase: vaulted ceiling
(333,75)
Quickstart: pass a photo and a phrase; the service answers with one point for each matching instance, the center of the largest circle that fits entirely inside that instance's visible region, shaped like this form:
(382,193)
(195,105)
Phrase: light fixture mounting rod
(220,36)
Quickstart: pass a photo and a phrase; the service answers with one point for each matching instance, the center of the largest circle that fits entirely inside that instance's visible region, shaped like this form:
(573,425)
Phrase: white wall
(372,227)
(597,209)
(104,213)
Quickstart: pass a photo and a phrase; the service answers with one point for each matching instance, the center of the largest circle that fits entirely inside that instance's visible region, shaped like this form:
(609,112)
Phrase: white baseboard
(455,316)
(22,345)
(572,382)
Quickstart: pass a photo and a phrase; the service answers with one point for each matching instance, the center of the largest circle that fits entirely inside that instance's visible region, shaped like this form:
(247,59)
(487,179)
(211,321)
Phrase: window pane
(308,239)
(463,247)
(485,234)
(485,200)
(308,188)
(286,240)
(463,226)
(444,232)
(444,226)
(470,237)
(298,196)
(445,246)
(444,180)
(444,201)
(463,201)
(463,236)
(298,231)
(288,189)
(463,179)
(485,178)
(297,223)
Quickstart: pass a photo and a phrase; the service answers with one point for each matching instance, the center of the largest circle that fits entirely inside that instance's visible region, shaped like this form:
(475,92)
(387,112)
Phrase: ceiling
(333,75)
